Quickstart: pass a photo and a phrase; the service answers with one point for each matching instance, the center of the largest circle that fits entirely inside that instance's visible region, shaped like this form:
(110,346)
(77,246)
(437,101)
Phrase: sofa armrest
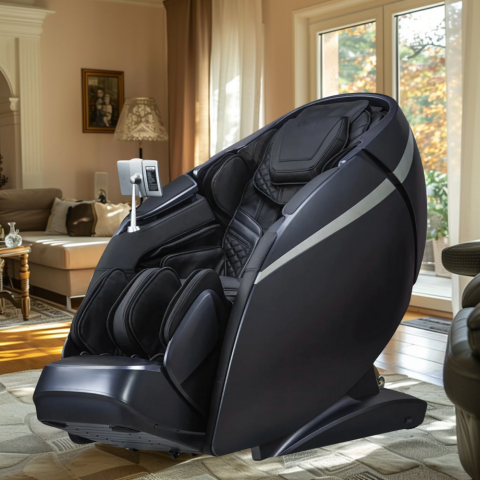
(462,259)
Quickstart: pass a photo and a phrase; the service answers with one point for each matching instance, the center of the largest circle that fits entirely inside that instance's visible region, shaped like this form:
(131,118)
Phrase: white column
(10,141)
(30,105)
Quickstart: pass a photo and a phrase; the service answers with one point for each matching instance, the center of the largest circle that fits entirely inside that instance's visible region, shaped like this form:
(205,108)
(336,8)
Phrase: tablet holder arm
(135,180)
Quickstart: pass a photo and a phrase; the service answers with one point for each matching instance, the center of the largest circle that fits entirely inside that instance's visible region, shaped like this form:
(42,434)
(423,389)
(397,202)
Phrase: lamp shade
(140,121)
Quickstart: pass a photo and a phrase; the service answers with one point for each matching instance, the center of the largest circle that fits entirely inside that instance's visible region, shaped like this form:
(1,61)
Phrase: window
(421,92)
(349,60)
(397,49)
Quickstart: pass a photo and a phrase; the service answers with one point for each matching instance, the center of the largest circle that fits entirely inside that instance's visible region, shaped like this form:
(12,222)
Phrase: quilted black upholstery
(280,194)
(237,253)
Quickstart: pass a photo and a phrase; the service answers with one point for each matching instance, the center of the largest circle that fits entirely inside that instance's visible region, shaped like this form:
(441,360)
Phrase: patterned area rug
(30,450)
(40,312)
(432,324)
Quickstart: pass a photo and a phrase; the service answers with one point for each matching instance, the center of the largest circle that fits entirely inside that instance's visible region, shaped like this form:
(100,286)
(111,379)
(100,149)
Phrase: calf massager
(249,308)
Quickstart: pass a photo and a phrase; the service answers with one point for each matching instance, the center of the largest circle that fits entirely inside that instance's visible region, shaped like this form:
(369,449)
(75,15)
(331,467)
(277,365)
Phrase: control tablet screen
(151,179)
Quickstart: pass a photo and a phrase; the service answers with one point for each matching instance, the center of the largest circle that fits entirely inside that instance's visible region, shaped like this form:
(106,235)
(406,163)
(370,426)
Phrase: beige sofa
(58,263)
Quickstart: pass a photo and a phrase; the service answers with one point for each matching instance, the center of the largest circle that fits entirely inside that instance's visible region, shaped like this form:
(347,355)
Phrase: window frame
(391,11)
(338,23)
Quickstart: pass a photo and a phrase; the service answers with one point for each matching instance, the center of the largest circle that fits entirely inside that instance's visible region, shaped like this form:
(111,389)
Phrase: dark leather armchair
(462,362)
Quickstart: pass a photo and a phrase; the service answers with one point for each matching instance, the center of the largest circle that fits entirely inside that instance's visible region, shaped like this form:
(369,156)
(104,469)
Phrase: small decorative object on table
(13,239)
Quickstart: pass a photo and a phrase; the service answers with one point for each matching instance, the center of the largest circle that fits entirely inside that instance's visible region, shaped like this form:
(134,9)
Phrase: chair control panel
(148,185)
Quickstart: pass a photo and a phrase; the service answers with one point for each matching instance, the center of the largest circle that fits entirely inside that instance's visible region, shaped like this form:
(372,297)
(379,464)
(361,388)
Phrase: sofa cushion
(81,220)
(29,209)
(57,222)
(64,252)
(109,216)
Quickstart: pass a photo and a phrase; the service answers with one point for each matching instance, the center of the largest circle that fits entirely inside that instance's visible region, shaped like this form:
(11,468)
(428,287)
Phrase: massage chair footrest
(125,402)
(350,419)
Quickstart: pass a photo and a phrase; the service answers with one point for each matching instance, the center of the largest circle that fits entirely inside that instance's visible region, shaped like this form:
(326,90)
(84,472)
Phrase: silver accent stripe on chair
(361,208)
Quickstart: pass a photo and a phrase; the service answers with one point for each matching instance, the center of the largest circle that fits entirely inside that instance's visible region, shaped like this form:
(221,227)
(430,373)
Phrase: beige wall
(100,35)
(278,19)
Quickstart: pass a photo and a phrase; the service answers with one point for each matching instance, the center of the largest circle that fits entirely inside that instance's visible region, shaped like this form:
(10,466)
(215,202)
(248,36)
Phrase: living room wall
(279,85)
(98,35)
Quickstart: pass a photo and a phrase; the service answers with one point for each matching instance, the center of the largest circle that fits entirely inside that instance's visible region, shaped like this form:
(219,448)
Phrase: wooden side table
(24,302)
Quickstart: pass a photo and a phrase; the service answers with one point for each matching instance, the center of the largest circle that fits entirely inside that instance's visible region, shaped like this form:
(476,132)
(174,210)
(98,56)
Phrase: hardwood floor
(31,347)
(413,352)
(417,353)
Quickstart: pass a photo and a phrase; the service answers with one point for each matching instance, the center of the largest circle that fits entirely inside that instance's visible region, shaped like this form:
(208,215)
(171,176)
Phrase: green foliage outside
(357,59)
(437,204)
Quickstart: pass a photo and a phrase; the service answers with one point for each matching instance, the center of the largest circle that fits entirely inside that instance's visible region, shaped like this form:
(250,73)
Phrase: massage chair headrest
(304,144)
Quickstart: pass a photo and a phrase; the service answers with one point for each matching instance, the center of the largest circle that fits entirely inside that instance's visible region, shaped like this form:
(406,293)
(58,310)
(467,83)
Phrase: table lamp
(140,121)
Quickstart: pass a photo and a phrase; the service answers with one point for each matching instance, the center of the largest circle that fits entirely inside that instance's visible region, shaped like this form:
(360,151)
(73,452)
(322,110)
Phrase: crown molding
(22,20)
(136,3)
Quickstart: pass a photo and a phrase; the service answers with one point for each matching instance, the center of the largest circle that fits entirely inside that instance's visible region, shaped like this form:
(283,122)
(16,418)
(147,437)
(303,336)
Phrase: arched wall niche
(21,27)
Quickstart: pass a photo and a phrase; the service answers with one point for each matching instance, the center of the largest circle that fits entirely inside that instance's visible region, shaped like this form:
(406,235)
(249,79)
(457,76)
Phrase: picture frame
(102,99)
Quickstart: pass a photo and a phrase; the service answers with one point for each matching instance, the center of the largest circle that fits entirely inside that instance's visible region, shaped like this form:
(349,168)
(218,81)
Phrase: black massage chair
(248,310)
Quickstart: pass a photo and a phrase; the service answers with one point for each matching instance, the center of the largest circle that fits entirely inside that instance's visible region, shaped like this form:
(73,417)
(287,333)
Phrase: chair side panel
(313,326)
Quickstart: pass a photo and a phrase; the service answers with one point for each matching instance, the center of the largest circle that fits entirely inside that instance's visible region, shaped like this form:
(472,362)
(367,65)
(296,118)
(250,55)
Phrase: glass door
(421,93)
(399,50)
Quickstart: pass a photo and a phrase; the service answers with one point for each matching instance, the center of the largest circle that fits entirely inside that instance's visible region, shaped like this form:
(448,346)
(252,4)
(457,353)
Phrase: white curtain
(236,71)
(463,119)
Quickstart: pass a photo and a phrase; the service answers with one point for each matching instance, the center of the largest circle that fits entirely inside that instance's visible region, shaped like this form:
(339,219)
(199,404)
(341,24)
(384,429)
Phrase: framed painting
(102,97)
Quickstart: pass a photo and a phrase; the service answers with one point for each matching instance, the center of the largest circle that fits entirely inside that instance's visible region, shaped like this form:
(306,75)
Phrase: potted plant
(437,217)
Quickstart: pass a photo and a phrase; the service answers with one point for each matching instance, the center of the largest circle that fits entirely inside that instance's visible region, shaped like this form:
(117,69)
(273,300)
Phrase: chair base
(350,419)
(120,401)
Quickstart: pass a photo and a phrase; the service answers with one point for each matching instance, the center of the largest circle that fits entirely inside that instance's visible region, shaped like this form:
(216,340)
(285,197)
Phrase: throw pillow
(109,218)
(81,220)
(57,223)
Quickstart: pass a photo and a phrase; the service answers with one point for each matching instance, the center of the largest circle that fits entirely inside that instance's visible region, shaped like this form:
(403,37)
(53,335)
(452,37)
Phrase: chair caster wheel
(174,454)
(380,379)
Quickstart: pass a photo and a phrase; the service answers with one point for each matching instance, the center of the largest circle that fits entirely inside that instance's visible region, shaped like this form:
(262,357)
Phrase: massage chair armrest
(174,227)
(462,259)
(174,193)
